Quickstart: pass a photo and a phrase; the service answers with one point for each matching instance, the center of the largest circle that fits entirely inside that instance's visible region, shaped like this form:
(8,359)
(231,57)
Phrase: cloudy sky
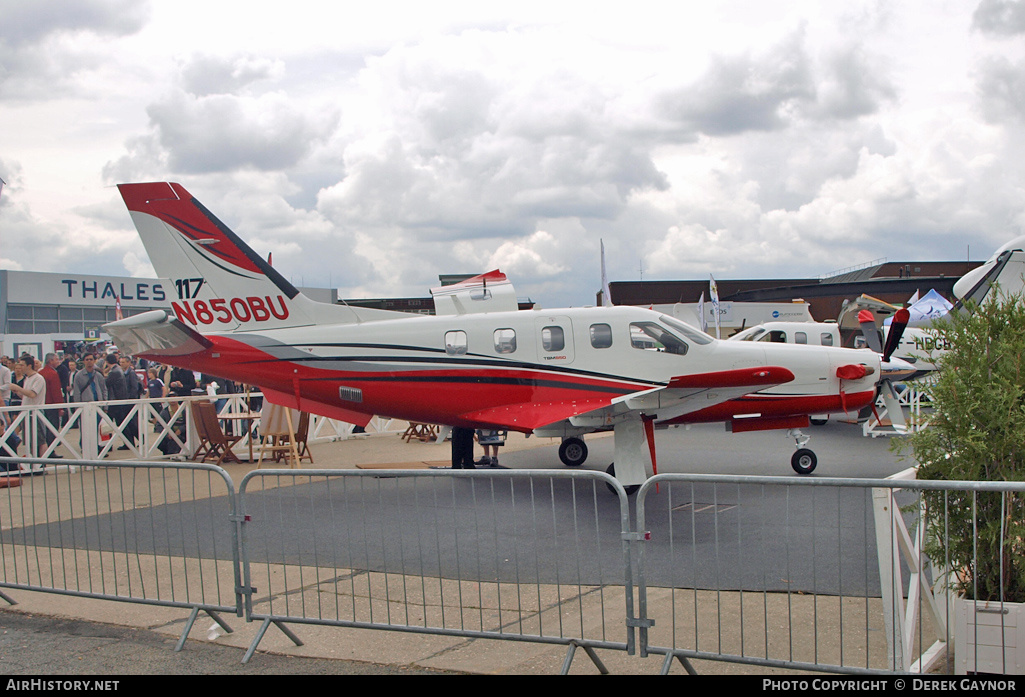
(372,146)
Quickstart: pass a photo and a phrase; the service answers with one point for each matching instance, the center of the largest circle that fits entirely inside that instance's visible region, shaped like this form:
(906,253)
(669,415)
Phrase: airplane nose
(968,281)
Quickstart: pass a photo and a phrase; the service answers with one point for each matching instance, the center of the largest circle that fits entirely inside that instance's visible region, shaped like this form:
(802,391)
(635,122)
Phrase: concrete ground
(55,634)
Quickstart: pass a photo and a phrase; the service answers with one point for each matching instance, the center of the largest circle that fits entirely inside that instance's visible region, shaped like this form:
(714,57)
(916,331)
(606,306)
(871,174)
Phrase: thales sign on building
(28,287)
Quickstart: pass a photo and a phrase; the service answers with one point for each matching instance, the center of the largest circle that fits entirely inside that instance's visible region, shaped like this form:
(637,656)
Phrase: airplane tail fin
(221,283)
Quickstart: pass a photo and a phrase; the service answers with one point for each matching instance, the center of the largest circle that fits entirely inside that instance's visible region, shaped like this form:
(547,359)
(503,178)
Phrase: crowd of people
(112,376)
(91,377)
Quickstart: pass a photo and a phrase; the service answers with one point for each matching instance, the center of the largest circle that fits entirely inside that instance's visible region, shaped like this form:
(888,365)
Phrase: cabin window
(553,339)
(455,343)
(777,337)
(601,336)
(827,339)
(800,337)
(505,340)
(654,337)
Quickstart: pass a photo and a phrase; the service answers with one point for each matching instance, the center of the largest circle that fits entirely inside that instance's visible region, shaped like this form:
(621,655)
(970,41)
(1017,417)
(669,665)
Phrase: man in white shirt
(5,383)
(34,390)
(5,395)
(32,393)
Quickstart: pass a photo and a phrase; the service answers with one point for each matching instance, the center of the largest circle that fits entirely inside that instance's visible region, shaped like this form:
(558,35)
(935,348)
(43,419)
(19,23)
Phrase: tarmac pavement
(53,634)
(33,644)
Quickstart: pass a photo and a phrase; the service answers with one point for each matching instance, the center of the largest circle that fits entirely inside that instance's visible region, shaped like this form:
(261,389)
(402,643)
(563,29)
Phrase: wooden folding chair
(302,433)
(219,444)
(204,438)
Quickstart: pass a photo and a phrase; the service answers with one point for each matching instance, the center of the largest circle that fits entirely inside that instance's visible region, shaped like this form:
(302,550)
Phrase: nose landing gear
(804,460)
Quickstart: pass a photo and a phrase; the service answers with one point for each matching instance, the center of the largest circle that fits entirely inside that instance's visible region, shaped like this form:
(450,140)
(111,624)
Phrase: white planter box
(977,638)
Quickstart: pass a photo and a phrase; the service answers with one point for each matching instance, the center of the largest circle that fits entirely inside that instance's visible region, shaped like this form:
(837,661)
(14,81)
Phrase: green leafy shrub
(977,433)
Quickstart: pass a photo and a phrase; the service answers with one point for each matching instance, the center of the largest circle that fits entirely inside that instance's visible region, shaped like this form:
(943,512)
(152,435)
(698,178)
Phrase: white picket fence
(88,430)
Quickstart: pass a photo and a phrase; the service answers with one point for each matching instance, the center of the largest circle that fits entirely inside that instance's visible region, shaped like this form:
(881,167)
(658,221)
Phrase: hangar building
(892,282)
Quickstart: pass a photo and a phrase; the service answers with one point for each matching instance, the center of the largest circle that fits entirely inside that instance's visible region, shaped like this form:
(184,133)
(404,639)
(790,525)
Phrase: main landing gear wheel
(632,489)
(573,452)
(804,461)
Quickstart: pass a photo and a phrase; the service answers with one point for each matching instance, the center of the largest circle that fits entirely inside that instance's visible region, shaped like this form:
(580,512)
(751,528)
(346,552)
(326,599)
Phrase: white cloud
(205,75)
(1000,17)
(46,47)
(375,150)
(220,133)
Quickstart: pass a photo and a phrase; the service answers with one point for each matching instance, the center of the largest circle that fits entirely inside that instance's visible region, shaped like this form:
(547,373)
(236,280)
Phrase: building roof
(893,282)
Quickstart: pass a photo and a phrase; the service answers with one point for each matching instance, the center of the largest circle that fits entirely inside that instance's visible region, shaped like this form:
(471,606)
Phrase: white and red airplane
(479,363)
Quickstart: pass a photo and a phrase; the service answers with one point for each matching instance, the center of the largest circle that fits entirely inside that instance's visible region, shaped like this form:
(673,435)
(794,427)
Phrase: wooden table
(425,433)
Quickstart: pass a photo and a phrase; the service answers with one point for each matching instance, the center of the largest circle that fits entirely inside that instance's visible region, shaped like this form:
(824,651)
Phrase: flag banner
(713,289)
(606,298)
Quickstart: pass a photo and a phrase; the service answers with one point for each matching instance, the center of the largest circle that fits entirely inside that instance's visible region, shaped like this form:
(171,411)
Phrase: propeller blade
(893,408)
(869,331)
(897,327)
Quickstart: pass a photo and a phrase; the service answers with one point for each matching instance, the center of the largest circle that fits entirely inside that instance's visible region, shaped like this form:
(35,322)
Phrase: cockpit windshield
(654,337)
(688,332)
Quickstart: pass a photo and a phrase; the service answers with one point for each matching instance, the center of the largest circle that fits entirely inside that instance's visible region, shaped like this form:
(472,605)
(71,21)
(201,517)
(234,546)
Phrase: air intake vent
(350,394)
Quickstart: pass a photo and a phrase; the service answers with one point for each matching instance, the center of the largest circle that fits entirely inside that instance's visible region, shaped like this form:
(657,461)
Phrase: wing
(681,395)
(687,393)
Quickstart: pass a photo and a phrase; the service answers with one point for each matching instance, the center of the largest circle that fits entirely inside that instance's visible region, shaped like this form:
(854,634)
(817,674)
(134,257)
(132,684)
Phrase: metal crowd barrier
(731,573)
(782,572)
(521,555)
(149,533)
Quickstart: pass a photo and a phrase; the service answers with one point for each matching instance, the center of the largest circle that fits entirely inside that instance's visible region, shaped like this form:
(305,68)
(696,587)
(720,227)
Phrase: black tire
(573,452)
(819,420)
(804,461)
(632,489)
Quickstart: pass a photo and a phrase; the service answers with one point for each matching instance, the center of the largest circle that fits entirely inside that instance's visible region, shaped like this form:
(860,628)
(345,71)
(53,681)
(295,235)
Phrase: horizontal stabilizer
(156,333)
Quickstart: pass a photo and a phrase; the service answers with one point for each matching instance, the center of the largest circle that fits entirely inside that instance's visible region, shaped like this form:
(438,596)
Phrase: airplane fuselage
(479,362)
(523,370)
